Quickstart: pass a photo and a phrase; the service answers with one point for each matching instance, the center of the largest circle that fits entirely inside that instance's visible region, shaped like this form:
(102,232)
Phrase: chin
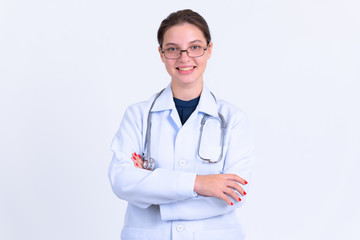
(187,81)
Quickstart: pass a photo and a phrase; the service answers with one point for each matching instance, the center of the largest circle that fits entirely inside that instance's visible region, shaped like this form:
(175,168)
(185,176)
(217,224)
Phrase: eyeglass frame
(187,52)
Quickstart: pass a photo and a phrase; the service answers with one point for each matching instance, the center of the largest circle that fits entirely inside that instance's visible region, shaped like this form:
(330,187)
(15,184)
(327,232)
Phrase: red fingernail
(245,182)
(244,193)
(136,164)
(232,204)
(239,199)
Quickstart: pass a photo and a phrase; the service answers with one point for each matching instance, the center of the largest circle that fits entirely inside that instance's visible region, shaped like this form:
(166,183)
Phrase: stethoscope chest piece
(149,164)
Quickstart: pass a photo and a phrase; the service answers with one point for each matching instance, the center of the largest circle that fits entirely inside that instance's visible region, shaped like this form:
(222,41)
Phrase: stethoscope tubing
(149,163)
(223,127)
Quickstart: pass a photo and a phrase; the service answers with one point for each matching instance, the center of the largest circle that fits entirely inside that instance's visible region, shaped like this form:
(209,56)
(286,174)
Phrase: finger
(237,178)
(136,156)
(226,199)
(140,161)
(139,158)
(137,162)
(233,194)
(237,187)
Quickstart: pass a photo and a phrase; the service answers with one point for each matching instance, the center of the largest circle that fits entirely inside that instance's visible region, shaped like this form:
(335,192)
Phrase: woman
(198,176)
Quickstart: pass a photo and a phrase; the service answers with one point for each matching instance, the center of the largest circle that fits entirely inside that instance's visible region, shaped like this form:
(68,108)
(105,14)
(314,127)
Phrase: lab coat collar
(165,100)
(207,103)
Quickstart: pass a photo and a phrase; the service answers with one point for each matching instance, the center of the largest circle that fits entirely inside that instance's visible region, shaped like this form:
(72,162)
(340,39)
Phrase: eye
(195,47)
(172,49)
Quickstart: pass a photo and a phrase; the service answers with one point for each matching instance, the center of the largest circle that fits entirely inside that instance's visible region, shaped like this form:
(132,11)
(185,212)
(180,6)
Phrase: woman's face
(185,71)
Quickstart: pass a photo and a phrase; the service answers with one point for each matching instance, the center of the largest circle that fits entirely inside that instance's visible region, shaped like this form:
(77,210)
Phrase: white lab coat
(162,204)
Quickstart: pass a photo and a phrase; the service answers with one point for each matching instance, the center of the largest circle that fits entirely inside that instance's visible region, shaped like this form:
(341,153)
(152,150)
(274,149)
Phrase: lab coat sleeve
(238,161)
(140,187)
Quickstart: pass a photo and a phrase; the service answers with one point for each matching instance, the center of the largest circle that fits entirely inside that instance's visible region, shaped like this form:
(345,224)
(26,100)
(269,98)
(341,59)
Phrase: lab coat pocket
(131,233)
(228,234)
(212,152)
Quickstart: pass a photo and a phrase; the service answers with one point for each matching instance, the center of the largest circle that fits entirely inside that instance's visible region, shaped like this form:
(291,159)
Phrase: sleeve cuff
(168,211)
(185,185)
(184,189)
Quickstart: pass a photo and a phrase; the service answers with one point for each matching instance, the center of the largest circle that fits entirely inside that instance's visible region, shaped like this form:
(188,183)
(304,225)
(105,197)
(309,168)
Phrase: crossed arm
(215,194)
(221,186)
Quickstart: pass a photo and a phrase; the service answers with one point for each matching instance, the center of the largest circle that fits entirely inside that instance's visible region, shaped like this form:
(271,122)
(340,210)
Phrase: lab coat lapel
(166,102)
(207,103)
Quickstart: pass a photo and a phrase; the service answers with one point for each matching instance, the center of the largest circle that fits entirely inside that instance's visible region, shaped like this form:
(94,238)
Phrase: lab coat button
(179,228)
(182,163)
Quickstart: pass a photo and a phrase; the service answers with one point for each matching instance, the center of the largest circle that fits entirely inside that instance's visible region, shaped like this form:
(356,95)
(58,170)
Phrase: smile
(186,69)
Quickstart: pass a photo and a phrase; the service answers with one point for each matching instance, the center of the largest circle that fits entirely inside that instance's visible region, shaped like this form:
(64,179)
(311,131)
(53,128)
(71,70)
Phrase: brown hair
(183,16)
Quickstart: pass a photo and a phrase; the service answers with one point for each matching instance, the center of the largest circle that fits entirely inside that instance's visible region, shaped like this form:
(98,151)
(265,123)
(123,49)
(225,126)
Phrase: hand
(220,186)
(138,161)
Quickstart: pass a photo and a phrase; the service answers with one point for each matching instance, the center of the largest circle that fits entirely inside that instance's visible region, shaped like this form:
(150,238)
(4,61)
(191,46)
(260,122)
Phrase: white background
(69,68)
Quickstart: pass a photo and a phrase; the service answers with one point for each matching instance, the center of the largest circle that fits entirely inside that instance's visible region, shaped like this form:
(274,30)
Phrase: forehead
(183,33)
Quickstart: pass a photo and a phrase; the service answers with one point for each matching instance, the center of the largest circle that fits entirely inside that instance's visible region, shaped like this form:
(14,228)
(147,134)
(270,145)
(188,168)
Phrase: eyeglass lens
(195,51)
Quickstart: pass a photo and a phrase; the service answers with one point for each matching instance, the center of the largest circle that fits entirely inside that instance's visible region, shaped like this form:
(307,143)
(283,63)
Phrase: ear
(209,50)
(161,55)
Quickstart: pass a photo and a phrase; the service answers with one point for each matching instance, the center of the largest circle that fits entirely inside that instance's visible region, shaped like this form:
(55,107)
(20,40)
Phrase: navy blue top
(185,108)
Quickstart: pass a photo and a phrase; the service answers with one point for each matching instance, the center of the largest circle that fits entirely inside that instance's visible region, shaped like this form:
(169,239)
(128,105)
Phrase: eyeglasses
(193,52)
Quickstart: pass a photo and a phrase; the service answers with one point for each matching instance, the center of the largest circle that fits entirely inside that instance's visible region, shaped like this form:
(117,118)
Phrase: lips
(185,68)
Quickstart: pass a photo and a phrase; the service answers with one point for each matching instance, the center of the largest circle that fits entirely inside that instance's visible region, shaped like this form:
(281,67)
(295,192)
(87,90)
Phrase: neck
(186,92)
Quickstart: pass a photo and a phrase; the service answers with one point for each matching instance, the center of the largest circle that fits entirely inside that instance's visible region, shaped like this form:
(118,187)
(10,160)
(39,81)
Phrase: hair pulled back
(183,16)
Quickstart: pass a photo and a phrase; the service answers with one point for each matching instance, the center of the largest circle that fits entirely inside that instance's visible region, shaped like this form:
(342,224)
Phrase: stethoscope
(149,162)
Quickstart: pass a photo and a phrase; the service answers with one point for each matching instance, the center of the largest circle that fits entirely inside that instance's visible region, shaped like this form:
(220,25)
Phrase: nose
(184,55)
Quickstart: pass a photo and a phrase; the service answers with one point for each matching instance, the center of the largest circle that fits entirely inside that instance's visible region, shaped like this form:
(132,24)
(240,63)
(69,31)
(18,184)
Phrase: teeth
(186,69)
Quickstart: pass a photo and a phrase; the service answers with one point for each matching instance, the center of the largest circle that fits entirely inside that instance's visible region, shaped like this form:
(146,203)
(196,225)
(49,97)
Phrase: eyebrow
(195,41)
